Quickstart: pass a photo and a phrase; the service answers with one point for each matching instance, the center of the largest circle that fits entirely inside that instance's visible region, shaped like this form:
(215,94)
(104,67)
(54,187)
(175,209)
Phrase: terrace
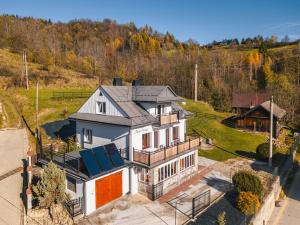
(150,157)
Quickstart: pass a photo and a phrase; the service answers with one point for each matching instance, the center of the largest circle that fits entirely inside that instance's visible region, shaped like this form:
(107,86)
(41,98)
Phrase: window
(175,133)
(143,175)
(87,135)
(101,107)
(146,140)
(71,184)
(167,171)
(156,144)
(187,162)
(101,94)
(160,109)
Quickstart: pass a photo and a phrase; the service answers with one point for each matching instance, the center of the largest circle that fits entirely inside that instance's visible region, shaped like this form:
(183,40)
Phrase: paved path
(13,146)
(288,213)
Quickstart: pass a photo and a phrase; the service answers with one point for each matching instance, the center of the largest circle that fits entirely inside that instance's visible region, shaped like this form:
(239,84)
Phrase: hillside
(84,53)
(228,142)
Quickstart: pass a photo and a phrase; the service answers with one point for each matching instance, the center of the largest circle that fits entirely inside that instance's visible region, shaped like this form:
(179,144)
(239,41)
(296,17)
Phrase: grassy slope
(230,141)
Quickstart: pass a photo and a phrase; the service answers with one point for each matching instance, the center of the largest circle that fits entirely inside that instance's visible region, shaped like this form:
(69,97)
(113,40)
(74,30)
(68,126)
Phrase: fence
(70,94)
(200,202)
(75,207)
(153,191)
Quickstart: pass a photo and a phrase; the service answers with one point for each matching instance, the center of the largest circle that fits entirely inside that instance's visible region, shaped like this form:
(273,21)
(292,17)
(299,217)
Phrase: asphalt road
(13,148)
(289,212)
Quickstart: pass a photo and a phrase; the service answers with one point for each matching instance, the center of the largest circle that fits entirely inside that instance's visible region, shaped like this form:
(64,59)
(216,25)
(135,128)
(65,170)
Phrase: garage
(108,188)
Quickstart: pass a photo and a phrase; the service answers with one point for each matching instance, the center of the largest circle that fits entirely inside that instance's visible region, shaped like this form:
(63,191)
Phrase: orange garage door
(108,189)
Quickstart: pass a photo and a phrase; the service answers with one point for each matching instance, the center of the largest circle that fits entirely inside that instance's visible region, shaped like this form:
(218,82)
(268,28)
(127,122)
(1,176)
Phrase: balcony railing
(167,119)
(150,157)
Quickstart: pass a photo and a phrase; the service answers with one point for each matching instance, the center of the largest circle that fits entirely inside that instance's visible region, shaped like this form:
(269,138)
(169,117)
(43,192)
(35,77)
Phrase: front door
(167,137)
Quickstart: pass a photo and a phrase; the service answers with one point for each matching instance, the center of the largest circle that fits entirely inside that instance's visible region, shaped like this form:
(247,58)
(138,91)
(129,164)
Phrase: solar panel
(90,162)
(114,155)
(103,158)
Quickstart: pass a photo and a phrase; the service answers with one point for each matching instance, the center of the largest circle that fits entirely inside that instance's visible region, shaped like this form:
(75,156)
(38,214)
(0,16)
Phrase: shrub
(50,189)
(221,218)
(248,203)
(262,151)
(245,181)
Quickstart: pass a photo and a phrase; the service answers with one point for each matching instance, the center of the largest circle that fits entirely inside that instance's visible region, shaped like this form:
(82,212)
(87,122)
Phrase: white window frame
(167,171)
(87,136)
(100,107)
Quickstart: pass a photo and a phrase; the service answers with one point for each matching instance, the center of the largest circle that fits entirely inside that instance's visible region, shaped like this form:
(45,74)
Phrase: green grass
(24,103)
(231,142)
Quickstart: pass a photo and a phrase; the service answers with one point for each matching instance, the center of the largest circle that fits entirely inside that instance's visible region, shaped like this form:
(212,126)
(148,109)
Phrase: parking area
(137,209)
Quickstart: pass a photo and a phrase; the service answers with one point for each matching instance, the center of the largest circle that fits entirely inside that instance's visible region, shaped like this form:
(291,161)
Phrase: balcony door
(167,137)
(160,109)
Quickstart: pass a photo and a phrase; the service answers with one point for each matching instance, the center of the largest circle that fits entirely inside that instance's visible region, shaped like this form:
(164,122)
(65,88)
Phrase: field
(229,142)
(20,102)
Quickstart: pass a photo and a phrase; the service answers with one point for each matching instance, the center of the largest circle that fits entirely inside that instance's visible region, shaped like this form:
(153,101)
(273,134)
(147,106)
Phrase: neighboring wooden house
(253,114)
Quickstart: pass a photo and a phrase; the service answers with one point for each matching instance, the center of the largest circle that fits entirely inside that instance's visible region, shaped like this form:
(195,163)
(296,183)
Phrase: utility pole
(37,104)
(26,70)
(271,132)
(196,82)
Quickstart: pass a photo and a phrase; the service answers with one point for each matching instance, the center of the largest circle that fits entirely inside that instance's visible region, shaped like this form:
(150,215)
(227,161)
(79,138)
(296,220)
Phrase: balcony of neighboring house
(151,157)
(168,118)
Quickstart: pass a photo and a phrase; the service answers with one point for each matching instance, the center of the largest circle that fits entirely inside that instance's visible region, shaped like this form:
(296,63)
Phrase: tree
(50,189)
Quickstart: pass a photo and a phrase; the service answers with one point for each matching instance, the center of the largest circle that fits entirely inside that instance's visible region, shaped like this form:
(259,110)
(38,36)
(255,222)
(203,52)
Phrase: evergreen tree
(50,189)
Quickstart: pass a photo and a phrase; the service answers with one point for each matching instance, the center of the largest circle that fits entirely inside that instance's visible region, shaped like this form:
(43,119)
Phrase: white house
(148,128)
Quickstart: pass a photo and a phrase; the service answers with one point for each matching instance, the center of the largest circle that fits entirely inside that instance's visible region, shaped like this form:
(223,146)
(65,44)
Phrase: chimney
(117,81)
(136,82)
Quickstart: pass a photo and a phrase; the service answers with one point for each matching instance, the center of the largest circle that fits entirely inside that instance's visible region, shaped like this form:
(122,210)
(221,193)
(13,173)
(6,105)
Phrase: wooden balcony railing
(150,157)
(167,119)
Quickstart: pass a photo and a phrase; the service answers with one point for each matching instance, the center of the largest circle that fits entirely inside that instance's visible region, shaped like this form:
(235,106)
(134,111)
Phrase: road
(288,213)
(13,148)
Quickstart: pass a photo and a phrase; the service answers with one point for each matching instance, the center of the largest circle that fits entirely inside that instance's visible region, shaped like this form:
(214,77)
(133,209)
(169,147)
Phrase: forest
(105,49)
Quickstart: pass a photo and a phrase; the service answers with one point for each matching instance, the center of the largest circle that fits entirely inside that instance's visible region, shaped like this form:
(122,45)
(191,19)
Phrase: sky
(203,21)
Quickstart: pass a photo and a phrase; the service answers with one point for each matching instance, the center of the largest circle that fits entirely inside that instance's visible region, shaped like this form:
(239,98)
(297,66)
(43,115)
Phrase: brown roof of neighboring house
(250,99)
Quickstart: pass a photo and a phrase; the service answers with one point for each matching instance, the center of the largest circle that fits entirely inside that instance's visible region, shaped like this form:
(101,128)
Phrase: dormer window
(101,108)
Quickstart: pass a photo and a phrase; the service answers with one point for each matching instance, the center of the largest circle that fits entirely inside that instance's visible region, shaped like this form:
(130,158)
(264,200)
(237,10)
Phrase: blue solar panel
(103,158)
(90,162)
(114,155)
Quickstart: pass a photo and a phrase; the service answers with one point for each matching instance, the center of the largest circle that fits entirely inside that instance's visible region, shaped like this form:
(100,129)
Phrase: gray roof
(277,111)
(118,120)
(128,98)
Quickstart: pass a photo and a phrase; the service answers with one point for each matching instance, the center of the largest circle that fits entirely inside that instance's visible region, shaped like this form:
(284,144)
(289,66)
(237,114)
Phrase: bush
(248,203)
(262,151)
(245,181)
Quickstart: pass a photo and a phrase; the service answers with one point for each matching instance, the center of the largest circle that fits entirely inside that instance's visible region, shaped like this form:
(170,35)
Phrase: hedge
(248,203)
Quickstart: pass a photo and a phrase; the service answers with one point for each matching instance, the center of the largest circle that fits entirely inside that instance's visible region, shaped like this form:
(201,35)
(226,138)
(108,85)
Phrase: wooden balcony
(151,157)
(167,119)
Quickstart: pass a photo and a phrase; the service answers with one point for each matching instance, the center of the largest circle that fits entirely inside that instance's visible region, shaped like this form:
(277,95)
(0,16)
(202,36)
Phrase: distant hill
(85,53)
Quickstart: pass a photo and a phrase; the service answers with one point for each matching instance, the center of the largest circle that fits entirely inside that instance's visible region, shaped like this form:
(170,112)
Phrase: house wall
(103,134)
(90,190)
(137,133)
(151,107)
(79,189)
(112,108)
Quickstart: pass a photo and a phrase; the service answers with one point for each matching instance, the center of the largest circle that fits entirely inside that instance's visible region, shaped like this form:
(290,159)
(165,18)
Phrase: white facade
(131,138)
(90,190)
(90,106)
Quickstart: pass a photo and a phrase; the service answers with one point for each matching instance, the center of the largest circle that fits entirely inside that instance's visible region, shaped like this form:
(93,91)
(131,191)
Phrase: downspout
(130,157)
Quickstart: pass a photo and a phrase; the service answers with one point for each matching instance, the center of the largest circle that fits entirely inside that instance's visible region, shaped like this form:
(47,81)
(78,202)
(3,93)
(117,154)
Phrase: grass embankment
(230,142)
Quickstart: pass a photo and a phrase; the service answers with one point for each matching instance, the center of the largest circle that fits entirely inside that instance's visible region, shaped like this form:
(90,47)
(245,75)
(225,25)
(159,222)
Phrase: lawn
(229,141)
(20,101)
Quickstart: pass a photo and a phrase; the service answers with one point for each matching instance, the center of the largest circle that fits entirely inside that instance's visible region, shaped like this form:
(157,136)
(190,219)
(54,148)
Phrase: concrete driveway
(288,213)
(13,148)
